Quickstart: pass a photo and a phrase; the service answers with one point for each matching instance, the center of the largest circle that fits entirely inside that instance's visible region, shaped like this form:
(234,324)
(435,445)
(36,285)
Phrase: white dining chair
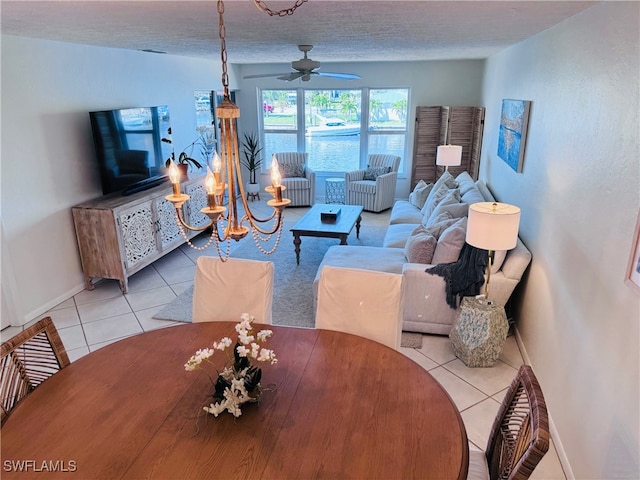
(361,302)
(223,291)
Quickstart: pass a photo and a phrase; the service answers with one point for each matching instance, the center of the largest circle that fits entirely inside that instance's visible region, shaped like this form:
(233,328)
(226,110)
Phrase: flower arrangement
(239,381)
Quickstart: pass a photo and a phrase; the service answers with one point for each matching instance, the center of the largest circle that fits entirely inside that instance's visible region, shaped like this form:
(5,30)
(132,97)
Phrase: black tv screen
(132,145)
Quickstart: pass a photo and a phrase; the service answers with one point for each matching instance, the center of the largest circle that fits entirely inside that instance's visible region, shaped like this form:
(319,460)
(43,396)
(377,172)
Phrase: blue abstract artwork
(513,132)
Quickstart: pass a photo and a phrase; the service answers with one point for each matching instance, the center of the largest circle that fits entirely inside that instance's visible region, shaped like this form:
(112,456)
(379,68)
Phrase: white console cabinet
(120,235)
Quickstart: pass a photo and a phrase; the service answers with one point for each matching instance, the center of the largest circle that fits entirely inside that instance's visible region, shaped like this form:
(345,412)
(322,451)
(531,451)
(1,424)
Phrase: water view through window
(332,127)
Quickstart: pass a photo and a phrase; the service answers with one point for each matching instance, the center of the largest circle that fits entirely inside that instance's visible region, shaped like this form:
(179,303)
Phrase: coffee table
(311,224)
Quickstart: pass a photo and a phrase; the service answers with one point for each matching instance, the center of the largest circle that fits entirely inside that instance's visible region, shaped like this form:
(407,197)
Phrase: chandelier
(226,223)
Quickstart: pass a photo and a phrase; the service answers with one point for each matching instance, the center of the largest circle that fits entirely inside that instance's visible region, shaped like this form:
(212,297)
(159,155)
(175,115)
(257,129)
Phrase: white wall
(48,161)
(579,198)
(454,83)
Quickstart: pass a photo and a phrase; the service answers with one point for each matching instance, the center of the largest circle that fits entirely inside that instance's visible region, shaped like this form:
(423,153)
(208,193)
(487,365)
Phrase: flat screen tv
(132,145)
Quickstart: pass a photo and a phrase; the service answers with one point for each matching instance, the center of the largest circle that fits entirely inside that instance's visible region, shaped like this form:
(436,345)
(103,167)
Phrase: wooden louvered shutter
(446,125)
(430,132)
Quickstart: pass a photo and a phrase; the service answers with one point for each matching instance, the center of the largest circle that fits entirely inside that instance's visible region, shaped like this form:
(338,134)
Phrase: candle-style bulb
(216,162)
(276,178)
(210,182)
(210,185)
(174,173)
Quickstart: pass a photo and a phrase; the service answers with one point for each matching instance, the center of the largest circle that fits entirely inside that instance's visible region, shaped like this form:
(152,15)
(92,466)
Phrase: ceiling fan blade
(288,77)
(343,76)
(262,75)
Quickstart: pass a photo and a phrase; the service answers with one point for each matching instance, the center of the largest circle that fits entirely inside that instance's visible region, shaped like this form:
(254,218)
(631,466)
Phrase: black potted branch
(184,159)
(252,161)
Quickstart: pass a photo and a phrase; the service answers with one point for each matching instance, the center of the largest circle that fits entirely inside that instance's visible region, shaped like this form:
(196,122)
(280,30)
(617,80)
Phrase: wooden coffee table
(311,224)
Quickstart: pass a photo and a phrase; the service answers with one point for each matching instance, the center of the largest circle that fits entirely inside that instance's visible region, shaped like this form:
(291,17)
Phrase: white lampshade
(449,155)
(493,226)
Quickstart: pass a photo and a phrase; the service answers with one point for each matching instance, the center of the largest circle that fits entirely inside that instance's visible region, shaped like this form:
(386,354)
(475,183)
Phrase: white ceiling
(341,31)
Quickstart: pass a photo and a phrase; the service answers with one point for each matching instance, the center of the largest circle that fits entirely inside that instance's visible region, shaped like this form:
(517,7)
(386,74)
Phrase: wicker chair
(28,359)
(520,434)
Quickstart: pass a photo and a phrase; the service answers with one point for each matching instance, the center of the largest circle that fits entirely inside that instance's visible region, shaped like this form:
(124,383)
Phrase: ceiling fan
(305,68)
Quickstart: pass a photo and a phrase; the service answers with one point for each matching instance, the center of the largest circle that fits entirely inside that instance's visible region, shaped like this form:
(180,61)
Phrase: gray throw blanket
(464,277)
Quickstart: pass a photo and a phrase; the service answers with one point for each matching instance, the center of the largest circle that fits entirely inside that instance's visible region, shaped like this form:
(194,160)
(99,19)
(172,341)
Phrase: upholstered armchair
(375,187)
(299,179)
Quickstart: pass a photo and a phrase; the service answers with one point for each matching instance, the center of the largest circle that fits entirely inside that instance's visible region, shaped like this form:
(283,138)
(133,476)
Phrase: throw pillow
(450,243)
(291,170)
(371,173)
(449,206)
(419,248)
(445,183)
(420,193)
(434,198)
(438,227)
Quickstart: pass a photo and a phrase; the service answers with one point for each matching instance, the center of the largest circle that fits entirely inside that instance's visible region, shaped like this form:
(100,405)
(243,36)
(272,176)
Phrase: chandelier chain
(281,13)
(222,32)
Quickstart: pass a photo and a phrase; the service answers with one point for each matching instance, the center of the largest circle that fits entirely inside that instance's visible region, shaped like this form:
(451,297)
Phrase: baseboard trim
(41,310)
(557,442)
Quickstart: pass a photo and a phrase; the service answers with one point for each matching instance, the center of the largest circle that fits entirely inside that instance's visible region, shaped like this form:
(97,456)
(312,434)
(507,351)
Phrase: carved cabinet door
(138,230)
(166,223)
(197,202)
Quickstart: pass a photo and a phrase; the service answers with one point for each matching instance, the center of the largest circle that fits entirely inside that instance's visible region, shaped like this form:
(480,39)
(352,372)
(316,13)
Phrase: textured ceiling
(341,31)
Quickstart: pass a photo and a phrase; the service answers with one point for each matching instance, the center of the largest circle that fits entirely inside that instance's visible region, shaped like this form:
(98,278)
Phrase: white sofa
(426,309)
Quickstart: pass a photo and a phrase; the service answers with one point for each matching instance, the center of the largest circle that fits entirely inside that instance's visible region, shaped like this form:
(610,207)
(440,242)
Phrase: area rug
(293,293)
(179,310)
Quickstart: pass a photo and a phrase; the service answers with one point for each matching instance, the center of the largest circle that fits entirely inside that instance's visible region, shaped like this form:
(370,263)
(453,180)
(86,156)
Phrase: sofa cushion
(363,186)
(404,212)
(420,248)
(296,183)
(484,190)
(472,196)
(420,193)
(465,182)
(450,242)
(397,235)
(498,260)
(380,259)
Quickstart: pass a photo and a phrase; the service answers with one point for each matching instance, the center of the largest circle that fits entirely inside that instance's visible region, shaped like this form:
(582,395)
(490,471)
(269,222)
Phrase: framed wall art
(633,269)
(514,121)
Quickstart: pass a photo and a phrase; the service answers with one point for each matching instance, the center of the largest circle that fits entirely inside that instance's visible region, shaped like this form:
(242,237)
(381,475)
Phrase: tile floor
(93,319)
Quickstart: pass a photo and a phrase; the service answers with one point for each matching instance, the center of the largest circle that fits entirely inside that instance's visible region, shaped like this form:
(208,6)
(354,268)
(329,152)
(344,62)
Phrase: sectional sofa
(427,229)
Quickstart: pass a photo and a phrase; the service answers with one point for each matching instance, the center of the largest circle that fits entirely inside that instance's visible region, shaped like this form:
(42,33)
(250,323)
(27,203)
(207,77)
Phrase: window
(338,128)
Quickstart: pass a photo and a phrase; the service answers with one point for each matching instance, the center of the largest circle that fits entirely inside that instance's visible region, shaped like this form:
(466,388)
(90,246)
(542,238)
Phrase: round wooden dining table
(335,406)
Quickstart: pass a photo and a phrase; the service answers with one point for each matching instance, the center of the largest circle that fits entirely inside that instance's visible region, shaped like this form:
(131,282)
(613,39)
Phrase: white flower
(236,394)
(224,343)
(245,339)
(242,350)
(264,334)
(267,355)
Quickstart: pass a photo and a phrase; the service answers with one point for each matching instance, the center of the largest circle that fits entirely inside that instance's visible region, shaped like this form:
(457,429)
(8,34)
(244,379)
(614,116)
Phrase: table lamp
(492,226)
(449,156)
